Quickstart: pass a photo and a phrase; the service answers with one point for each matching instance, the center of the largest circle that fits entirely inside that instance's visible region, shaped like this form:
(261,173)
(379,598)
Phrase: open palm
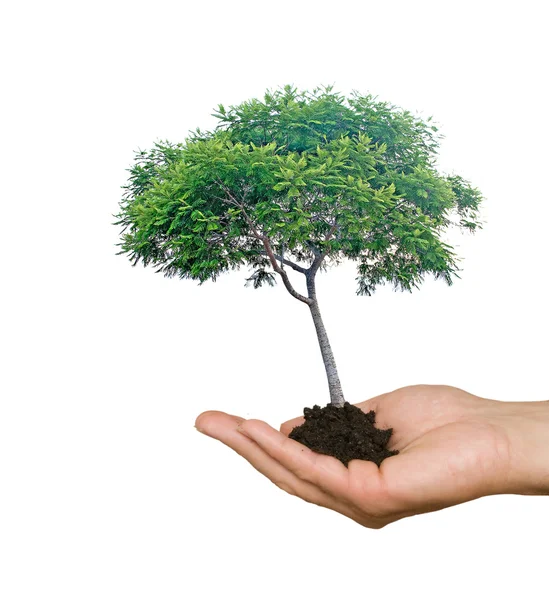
(450,451)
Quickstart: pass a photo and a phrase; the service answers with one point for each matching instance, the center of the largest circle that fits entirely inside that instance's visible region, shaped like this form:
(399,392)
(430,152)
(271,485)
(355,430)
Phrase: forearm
(527,428)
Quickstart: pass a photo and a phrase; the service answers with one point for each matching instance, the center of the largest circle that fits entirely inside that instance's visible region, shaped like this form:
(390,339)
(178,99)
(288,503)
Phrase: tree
(299,181)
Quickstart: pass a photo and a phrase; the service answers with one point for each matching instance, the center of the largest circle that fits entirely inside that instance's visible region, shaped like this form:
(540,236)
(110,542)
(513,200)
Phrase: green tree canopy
(301,180)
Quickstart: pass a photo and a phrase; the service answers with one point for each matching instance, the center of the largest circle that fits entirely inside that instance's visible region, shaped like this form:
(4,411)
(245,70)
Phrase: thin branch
(320,256)
(282,272)
(315,250)
(311,271)
(287,262)
(269,251)
(334,227)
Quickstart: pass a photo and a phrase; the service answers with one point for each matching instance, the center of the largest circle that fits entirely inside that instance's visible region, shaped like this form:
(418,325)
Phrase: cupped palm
(450,451)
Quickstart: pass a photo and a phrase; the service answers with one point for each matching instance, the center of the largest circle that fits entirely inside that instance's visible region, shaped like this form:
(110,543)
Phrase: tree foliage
(294,176)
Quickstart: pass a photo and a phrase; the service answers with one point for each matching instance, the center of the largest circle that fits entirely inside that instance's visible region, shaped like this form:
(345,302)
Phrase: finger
(323,471)
(210,421)
(287,427)
(223,427)
(370,404)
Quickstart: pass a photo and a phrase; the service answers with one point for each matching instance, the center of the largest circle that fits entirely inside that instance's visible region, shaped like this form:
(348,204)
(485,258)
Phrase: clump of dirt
(345,433)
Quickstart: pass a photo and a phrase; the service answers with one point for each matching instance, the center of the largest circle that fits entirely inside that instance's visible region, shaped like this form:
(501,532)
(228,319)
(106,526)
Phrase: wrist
(526,425)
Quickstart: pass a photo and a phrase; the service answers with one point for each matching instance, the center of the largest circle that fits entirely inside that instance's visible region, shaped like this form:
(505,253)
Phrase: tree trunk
(336,393)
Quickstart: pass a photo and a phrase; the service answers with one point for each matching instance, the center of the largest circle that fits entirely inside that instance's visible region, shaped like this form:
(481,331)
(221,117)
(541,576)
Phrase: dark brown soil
(346,433)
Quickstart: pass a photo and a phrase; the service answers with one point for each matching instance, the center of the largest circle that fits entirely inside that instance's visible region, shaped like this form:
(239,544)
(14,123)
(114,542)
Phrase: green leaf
(289,164)
(293,192)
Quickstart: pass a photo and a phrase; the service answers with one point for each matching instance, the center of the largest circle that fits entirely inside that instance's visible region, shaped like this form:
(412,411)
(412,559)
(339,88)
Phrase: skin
(453,447)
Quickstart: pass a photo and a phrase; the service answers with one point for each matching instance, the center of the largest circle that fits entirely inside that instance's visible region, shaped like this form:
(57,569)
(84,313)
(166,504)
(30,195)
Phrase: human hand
(453,447)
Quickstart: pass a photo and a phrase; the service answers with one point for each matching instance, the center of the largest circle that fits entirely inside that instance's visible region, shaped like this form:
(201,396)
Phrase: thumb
(287,427)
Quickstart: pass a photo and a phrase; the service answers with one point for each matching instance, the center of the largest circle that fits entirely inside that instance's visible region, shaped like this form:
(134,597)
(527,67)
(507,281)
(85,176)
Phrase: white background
(107,490)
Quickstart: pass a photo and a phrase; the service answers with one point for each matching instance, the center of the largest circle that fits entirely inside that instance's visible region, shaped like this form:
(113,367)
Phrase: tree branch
(320,256)
(315,250)
(287,262)
(268,250)
(283,273)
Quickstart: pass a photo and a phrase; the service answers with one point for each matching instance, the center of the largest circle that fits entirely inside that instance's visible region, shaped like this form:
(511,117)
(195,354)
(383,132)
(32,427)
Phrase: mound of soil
(345,433)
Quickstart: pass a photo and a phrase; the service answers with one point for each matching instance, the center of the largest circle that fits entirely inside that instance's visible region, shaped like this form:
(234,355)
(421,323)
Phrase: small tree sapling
(295,183)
